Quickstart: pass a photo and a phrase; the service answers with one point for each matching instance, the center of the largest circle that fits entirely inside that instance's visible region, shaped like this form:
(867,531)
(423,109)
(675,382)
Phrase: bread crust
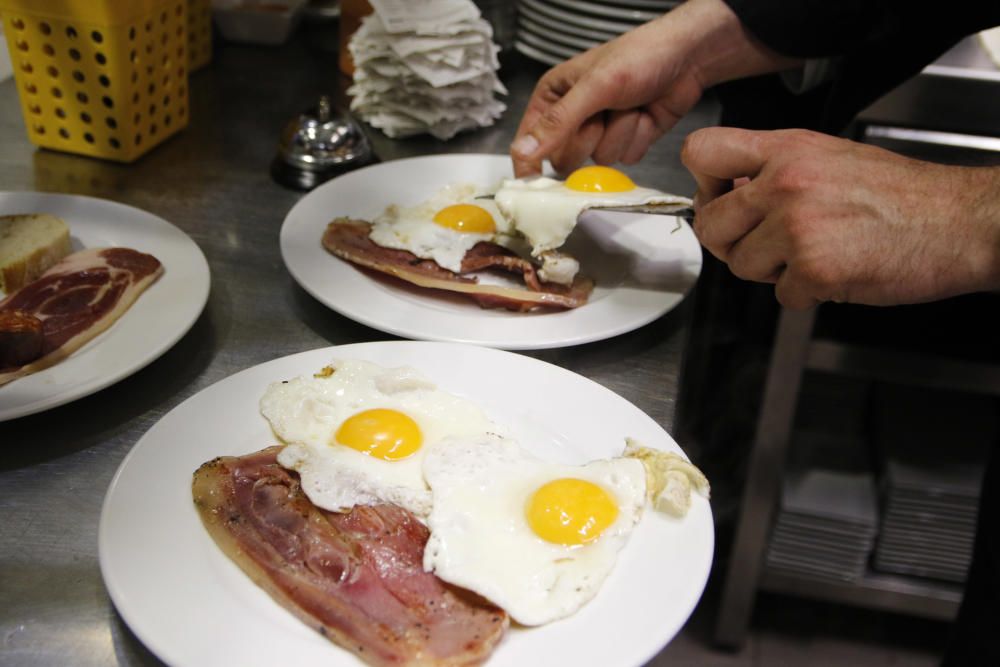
(30,244)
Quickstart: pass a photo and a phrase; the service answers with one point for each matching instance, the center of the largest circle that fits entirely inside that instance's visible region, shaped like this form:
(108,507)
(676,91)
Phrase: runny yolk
(570,511)
(595,178)
(382,433)
(466,218)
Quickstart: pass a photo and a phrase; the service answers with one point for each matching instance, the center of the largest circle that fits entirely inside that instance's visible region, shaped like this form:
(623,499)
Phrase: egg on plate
(357,433)
(442,228)
(534,538)
(545,210)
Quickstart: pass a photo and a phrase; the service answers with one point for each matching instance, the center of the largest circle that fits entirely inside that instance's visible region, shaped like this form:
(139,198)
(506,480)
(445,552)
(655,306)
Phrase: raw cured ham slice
(357,577)
(49,319)
(348,239)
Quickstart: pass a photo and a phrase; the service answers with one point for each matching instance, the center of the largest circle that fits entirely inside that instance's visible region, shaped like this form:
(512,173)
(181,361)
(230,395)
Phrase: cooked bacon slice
(71,303)
(357,578)
(348,239)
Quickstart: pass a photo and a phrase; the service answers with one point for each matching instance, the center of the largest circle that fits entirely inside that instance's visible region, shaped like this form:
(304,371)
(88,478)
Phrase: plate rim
(118,597)
(198,303)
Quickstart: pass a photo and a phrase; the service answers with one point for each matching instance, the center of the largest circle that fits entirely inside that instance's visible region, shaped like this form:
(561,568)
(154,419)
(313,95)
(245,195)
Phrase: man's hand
(826,219)
(612,102)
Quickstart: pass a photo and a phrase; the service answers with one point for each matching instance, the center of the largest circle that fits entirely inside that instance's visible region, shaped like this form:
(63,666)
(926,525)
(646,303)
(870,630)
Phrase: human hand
(612,102)
(826,219)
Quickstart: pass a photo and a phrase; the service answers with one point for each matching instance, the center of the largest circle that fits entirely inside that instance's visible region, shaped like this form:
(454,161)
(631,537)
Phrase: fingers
(552,124)
(717,155)
(760,255)
(575,152)
(619,128)
(724,221)
(793,293)
(645,135)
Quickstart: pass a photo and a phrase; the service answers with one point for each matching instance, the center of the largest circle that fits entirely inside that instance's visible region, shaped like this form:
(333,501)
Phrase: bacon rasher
(357,578)
(348,239)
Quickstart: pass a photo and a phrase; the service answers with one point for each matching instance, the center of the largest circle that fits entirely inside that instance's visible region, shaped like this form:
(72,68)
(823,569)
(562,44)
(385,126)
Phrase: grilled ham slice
(348,239)
(357,578)
(51,318)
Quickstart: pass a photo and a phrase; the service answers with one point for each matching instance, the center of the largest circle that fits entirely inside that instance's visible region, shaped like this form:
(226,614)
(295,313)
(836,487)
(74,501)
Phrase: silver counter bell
(319,144)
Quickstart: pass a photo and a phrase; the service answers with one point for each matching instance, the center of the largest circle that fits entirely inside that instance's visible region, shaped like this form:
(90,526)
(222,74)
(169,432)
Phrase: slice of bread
(29,245)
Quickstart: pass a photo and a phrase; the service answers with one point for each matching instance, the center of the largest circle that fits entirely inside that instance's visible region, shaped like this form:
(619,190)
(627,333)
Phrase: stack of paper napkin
(425,66)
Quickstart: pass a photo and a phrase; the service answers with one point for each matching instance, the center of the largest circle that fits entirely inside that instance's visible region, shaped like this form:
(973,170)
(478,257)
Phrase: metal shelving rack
(930,109)
(794,352)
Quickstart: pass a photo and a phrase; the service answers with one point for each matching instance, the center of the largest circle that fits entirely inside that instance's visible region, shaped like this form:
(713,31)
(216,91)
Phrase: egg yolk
(595,178)
(382,433)
(467,218)
(570,511)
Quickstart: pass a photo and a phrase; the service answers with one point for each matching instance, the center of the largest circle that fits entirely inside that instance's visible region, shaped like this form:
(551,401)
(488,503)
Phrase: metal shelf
(896,593)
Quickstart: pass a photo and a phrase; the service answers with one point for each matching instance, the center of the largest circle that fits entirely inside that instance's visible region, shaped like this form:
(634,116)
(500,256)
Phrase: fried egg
(357,433)
(534,538)
(545,210)
(442,228)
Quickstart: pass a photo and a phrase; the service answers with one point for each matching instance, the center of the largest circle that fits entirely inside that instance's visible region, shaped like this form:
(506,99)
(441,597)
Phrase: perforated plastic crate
(107,78)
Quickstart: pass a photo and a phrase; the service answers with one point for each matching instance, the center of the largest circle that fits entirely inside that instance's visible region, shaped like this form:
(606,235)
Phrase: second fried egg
(535,538)
(545,210)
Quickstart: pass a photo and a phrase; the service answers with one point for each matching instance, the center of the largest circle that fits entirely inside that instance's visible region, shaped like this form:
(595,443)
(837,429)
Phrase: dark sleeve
(876,45)
(824,28)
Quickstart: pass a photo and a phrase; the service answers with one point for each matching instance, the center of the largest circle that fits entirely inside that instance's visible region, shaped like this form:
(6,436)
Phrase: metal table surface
(212,182)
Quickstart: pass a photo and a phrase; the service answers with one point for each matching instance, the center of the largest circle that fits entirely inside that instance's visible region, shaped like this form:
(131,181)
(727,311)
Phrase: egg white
(480,538)
(413,228)
(306,412)
(545,211)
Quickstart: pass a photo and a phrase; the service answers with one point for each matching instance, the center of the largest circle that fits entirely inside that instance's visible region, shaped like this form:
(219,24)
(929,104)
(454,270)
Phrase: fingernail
(525,146)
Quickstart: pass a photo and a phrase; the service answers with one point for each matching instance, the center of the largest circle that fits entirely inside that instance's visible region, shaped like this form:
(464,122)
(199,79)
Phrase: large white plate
(537,54)
(573,18)
(192,606)
(554,26)
(643,264)
(600,9)
(162,314)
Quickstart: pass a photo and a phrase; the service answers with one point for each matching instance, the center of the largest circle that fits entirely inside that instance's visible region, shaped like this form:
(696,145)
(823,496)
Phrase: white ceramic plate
(190,605)
(157,320)
(553,26)
(547,44)
(662,5)
(537,54)
(642,264)
(601,9)
(527,27)
(574,18)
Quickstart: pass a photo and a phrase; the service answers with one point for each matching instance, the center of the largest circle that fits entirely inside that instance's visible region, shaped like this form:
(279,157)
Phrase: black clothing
(878,44)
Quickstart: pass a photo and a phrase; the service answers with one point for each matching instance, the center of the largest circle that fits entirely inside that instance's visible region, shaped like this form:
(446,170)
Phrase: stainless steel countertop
(212,182)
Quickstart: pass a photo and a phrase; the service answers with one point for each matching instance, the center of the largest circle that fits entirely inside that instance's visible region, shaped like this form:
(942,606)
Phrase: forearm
(977,213)
(719,46)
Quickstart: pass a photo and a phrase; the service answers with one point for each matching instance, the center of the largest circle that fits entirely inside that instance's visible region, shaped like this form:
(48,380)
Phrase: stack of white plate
(550,31)
(826,525)
(929,521)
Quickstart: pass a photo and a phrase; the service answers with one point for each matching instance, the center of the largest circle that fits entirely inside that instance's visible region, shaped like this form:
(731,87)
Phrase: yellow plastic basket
(106,78)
